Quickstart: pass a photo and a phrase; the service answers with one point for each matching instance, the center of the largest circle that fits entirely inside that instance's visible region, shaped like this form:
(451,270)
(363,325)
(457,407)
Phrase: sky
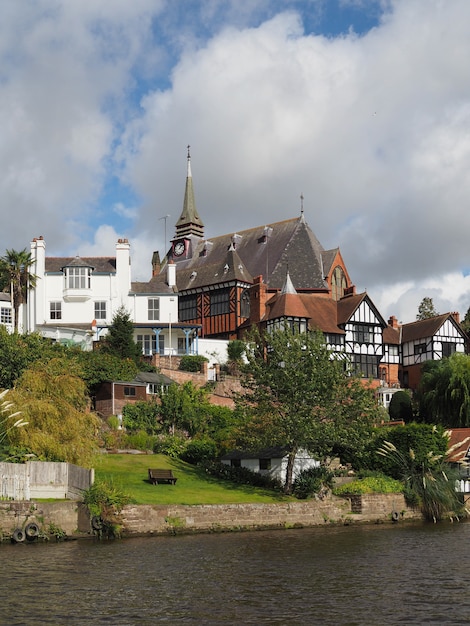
(360,106)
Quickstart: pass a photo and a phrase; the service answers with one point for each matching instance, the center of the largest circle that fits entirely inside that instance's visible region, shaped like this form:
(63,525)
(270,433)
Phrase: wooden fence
(38,479)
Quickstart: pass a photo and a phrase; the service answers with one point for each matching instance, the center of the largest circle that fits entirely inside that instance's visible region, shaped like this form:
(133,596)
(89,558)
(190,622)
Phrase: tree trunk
(290,471)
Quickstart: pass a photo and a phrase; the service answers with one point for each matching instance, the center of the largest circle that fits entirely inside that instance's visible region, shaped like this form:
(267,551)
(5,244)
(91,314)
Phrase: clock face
(178,248)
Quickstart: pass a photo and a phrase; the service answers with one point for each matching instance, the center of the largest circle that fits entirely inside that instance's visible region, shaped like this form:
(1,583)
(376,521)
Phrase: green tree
(400,407)
(52,399)
(120,338)
(466,322)
(426,309)
(444,392)
(235,352)
(18,352)
(296,395)
(142,416)
(16,275)
(98,366)
(184,407)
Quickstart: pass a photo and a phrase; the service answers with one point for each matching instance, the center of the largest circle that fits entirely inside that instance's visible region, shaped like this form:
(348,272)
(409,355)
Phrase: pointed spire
(189,175)
(189,222)
(288,286)
(302,218)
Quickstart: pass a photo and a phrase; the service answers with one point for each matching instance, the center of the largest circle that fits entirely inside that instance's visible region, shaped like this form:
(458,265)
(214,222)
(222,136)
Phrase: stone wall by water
(73,518)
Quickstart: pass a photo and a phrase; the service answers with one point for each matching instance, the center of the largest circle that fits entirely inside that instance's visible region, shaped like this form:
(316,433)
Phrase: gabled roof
(105,265)
(264,251)
(421,329)
(348,305)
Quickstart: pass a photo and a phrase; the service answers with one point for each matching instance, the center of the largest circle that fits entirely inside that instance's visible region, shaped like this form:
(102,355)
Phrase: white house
(270,461)
(6,312)
(76,298)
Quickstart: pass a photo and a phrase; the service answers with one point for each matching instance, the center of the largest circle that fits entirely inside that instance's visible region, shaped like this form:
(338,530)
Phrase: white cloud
(373,130)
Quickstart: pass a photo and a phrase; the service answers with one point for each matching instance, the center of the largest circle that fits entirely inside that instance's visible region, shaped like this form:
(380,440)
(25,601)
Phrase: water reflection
(342,576)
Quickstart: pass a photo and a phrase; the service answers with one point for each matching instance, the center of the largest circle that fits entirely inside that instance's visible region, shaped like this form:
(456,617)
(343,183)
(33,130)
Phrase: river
(364,575)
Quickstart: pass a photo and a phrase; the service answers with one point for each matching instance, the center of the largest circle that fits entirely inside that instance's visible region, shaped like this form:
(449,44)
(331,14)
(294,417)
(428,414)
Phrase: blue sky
(362,106)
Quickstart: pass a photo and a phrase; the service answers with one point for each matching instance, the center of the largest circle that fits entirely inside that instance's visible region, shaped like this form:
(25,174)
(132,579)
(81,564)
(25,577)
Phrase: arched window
(245,304)
(338,283)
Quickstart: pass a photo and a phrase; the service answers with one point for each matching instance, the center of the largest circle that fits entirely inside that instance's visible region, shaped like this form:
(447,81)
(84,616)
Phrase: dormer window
(78,277)
(77,280)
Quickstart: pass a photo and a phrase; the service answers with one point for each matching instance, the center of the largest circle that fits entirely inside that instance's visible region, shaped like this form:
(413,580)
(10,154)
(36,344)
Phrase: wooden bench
(157,476)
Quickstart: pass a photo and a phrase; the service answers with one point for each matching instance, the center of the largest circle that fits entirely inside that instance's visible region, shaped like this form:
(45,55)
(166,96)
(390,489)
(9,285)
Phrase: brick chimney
(258,297)
(393,322)
(456,316)
(156,264)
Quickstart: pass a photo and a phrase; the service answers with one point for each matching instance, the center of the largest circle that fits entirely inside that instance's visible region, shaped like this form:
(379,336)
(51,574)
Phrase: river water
(364,575)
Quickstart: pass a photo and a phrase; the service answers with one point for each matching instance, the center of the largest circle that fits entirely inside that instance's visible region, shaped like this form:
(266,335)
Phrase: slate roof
(222,268)
(291,245)
(105,265)
(154,378)
(156,285)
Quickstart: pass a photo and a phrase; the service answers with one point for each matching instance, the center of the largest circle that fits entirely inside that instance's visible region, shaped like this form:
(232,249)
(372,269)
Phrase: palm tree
(15,275)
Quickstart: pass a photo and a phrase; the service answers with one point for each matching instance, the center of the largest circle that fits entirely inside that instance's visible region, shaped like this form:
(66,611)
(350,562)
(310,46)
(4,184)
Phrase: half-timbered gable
(363,326)
(430,339)
(352,326)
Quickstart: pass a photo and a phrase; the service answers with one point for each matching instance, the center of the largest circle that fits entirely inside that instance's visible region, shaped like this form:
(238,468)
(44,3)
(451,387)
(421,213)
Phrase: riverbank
(71,519)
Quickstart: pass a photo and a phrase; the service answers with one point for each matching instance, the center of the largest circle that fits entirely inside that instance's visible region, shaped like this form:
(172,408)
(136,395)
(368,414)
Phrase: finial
(302,203)
(189,153)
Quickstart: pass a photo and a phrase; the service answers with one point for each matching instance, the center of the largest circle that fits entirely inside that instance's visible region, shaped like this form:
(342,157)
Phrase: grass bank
(129,472)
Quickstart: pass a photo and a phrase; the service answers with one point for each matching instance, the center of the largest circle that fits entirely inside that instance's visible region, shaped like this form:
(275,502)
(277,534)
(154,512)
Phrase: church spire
(189,222)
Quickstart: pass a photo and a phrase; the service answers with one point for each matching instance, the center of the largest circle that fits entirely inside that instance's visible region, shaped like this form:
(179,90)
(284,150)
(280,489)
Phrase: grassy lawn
(129,472)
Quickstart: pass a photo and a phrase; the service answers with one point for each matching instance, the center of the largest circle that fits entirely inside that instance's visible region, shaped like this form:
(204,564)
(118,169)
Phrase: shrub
(105,501)
(171,445)
(199,450)
(428,482)
(141,416)
(400,407)
(139,440)
(315,480)
(372,484)
(192,363)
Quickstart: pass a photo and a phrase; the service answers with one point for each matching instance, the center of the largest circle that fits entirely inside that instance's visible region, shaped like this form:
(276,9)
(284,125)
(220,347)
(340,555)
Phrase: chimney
(156,264)
(258,297)
(393,322)
(171,274)
(456,316)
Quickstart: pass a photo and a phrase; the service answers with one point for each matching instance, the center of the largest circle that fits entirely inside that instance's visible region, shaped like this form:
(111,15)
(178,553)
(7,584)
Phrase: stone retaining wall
(73,518)
(206,518)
